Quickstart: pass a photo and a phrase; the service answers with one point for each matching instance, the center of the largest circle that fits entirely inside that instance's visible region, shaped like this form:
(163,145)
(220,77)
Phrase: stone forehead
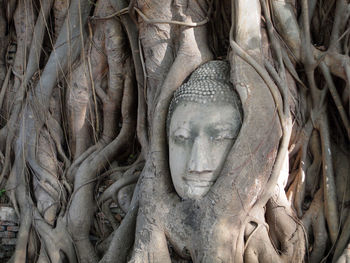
(210,83)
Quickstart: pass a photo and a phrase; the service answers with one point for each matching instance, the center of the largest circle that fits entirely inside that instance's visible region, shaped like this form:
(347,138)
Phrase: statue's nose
(200,156)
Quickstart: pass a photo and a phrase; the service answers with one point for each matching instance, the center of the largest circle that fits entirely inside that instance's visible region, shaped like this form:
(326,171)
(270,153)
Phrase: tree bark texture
(84,99)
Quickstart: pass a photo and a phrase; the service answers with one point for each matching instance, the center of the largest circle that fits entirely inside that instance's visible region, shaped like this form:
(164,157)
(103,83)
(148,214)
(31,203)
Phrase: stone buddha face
(203,123)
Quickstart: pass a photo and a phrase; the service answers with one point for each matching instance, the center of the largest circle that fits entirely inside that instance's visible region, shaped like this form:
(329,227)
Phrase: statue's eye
(222,137)
(181,138)
(181,135)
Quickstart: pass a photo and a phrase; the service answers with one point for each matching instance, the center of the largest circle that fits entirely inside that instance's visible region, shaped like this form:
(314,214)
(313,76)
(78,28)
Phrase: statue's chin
(196,190)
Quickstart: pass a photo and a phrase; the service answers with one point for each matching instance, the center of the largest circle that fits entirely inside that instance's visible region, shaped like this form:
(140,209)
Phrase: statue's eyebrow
(226,126)
(219,129)
(179,129)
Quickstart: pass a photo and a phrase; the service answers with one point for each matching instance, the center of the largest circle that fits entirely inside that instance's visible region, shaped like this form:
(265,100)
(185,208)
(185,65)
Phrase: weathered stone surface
(9,241)
(8,230)
(13,228)
(7,223)
(8,214)
(7,234)
(8,248)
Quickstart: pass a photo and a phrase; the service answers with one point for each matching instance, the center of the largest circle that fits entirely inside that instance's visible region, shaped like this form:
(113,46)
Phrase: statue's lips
(202,180)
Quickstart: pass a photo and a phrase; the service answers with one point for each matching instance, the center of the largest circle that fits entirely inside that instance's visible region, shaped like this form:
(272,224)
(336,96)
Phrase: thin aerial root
(5,86)
(336,97)
(140,73)
(112,190)
(301,179)
(343,241)
(339,17)
(123,238)
(108,214)
(330,197)
(171,22)
(23,236)
(37,42)
(121,12)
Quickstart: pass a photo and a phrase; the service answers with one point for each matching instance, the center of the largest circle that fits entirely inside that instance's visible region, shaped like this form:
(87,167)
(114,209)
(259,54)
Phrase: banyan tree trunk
(85,92)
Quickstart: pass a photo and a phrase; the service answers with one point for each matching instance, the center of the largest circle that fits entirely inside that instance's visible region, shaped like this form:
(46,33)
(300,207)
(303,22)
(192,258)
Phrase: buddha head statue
(204,119)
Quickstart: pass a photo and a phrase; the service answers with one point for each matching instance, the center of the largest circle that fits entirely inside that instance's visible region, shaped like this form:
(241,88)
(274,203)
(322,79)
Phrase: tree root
(54,157)
(163,21)
(57,242)
(315,224)
(123,238)
(285,227)
(259,248)
(313,172)
(129,177)
(136,50)
(60,8)
(80,220)
(330,197)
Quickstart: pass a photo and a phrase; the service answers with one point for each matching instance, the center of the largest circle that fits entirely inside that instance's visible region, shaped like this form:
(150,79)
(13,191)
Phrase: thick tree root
(70,121)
